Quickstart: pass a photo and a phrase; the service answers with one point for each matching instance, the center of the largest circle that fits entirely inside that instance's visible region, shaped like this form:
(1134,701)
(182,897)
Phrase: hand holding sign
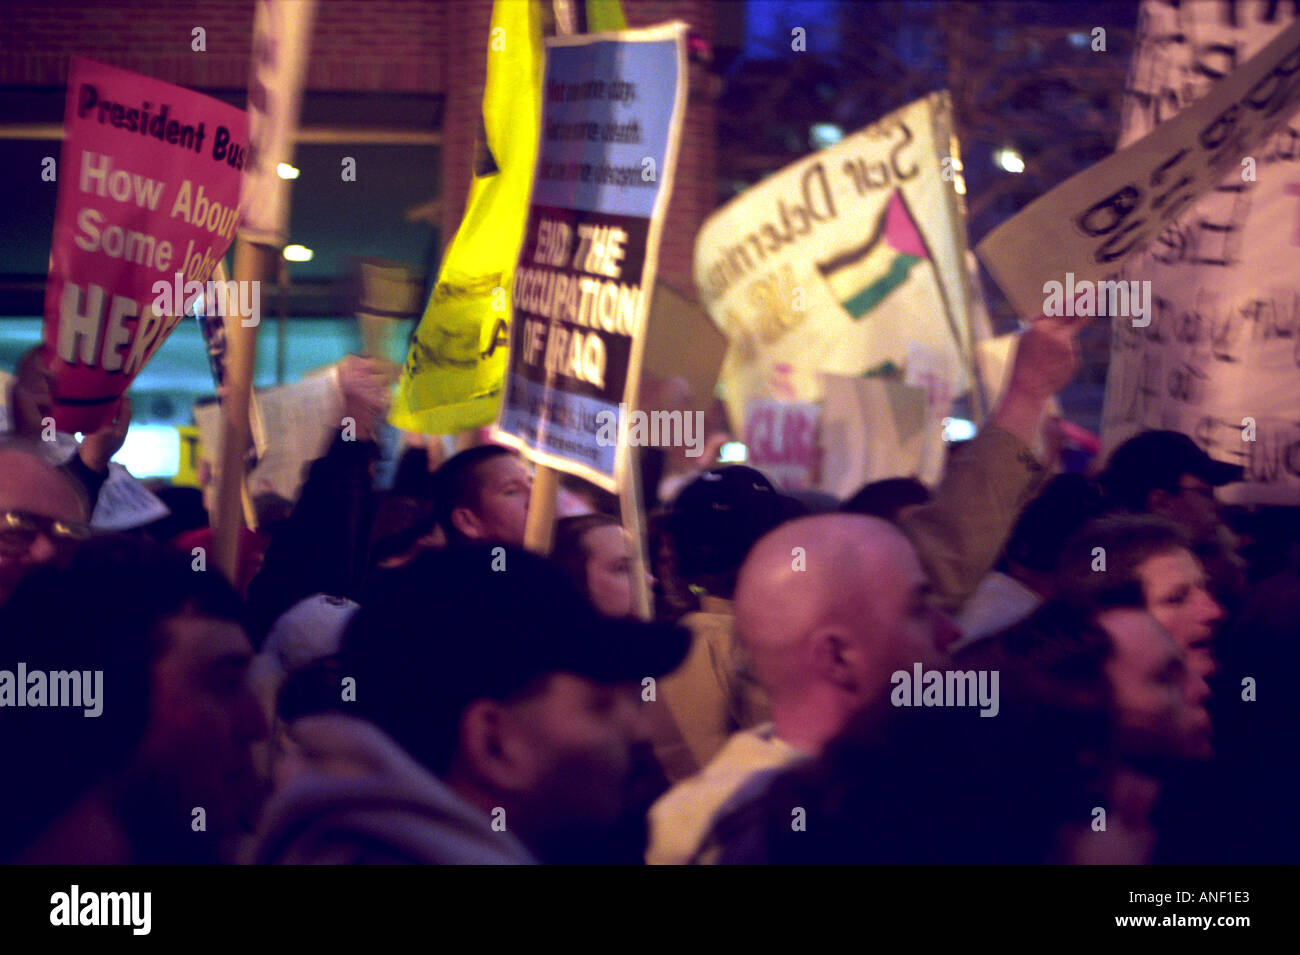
(367,392)
(98,447)
(32,401)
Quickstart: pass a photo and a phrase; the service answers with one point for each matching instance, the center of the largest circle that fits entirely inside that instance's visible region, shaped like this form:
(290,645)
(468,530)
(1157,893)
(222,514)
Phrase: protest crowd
(398,680)
(572,640)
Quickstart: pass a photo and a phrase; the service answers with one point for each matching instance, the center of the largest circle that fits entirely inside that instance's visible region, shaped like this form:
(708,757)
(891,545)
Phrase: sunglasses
(19,530)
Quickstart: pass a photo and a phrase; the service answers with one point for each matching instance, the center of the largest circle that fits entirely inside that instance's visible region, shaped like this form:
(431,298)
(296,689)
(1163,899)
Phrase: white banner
(844,261)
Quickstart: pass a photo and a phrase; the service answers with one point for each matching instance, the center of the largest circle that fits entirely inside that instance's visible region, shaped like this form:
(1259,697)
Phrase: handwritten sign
(1219,360)
(1093,223)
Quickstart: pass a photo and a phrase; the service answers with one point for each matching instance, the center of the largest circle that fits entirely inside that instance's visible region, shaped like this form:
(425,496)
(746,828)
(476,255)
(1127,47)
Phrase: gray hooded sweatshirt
(354,797)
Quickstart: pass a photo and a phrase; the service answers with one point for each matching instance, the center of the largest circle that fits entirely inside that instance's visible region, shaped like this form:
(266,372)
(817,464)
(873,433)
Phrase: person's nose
(42,550)
(1211,609)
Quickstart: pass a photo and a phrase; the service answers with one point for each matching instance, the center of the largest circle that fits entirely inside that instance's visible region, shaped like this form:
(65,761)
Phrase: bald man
(42,509)
(827,608)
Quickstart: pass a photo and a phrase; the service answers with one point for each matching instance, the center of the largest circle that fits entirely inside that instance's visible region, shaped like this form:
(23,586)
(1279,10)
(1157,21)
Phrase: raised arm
(962,530)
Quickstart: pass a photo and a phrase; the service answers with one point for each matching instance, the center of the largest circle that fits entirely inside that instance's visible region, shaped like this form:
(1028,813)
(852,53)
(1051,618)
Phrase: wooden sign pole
(252,263)
(539,531)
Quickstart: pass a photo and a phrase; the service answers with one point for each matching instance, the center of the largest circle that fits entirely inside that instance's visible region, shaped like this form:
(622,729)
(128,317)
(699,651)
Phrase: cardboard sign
(611,120)
(148,189)
(876,428)
(682,343)
(1218,361)
(841,261)
(1088,227)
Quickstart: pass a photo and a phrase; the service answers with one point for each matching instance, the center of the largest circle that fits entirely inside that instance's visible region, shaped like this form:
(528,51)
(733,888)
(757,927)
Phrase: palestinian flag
(863,277)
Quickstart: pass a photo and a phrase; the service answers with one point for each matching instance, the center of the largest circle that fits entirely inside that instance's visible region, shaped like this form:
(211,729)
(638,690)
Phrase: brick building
(381,72)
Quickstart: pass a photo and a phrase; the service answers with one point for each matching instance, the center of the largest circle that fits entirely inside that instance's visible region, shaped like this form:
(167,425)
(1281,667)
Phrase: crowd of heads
(469,701)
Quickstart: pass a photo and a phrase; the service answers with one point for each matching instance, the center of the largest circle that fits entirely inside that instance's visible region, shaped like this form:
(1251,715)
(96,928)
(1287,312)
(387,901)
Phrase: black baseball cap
(463,624)
(719,516)
(1156,460)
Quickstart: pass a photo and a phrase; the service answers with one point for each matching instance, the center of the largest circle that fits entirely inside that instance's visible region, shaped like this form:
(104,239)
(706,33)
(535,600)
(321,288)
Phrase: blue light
(958,429)
(733,452)
(821,135)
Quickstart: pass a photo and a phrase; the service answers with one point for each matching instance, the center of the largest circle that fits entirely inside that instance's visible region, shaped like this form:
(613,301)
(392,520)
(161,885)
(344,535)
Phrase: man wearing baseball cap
(714,522)
(1167,474)
(487,715)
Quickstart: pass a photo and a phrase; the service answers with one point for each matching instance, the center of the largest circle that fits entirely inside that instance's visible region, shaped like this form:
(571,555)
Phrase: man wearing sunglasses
(42,511)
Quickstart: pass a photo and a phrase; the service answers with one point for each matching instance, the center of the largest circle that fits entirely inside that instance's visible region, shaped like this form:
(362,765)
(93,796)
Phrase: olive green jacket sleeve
(961,531)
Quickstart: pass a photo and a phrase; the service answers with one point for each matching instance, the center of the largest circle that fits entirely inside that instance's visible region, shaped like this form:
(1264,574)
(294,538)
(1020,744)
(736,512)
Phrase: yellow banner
(188,475)
(452,380)
(604,16)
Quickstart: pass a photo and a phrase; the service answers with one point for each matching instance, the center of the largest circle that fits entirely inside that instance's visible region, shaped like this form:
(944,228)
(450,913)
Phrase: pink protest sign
(782,440)
(148,201)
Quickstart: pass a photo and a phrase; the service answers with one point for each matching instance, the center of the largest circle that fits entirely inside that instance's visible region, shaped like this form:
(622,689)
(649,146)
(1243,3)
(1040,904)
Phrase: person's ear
(491,747)
(467,523)
(835,658)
